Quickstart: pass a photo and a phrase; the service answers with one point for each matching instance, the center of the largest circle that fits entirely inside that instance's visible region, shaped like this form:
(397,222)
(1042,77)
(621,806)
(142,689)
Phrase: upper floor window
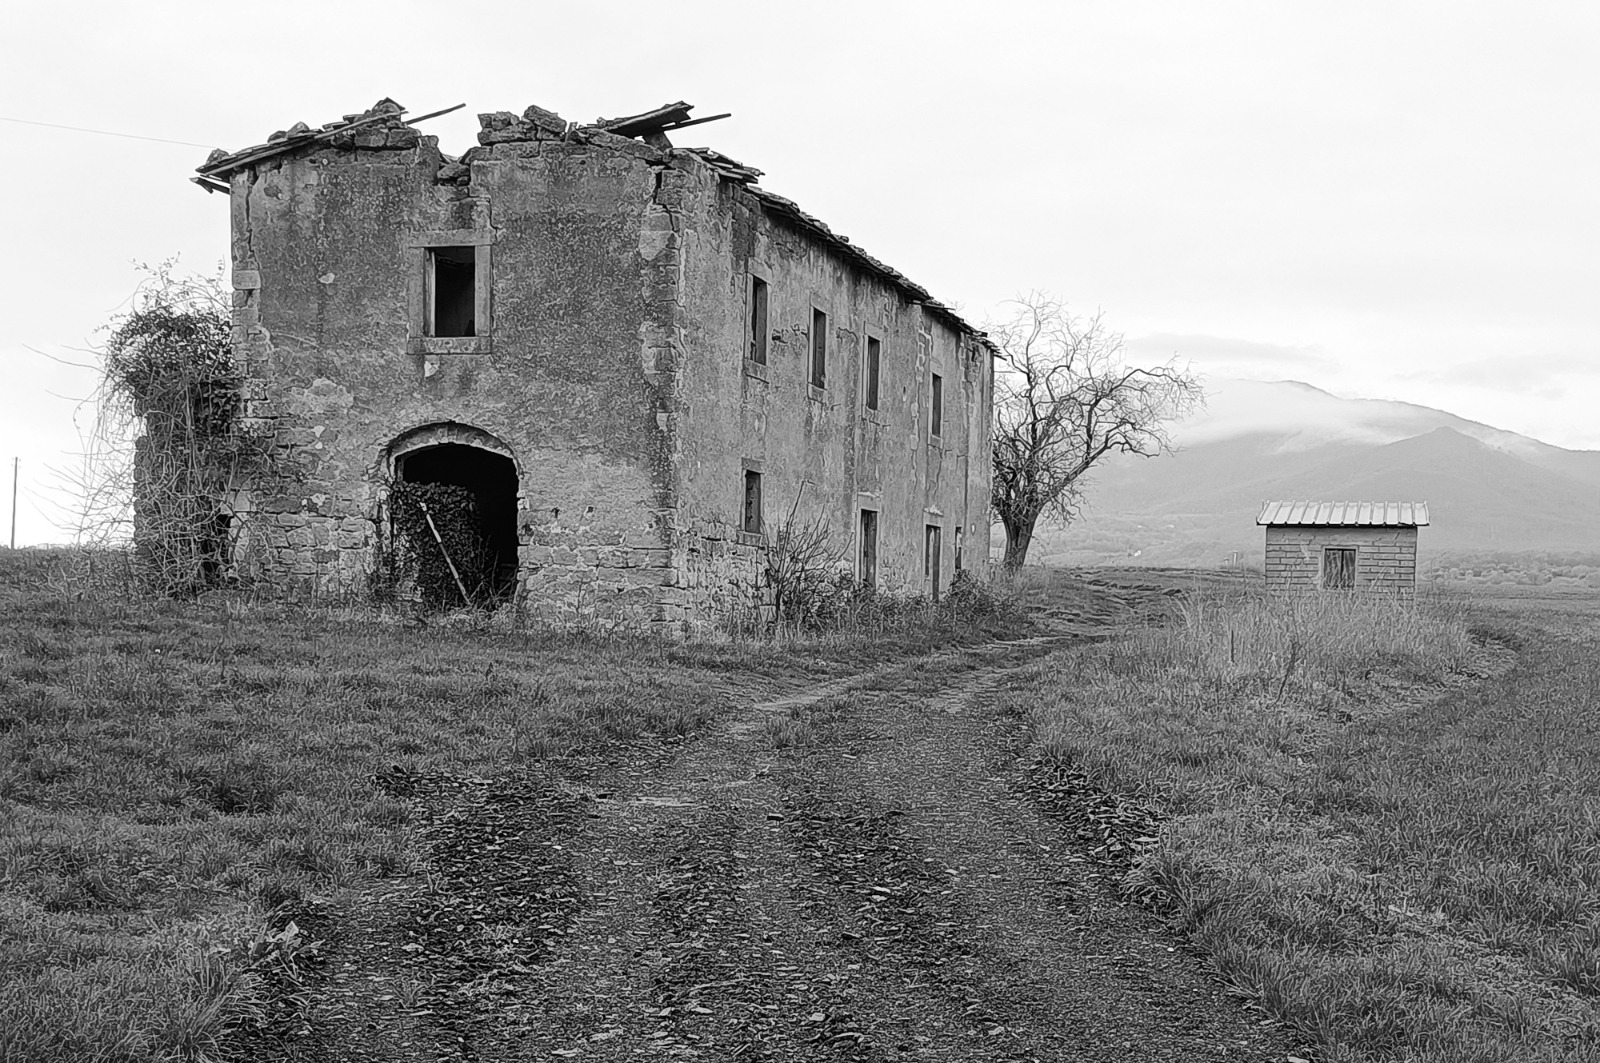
(449,297)
(452,291)
(869,372)
(756,351)
(819,348)
(936,407)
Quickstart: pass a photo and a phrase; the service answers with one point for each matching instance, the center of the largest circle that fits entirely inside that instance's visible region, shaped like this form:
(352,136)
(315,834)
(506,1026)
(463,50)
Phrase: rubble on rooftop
(384,127)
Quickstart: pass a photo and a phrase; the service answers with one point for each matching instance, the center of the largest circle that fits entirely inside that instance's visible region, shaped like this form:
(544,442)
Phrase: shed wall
(1386,558)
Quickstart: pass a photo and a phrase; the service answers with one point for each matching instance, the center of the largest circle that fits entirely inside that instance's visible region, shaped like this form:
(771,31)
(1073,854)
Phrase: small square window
(869,370)
(936,407)
(752,501)
(819,348)
(759,332)
(1339,568)
(453,288)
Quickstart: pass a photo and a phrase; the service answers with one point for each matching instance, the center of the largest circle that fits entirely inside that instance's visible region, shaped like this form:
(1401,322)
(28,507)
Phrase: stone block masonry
(558,320)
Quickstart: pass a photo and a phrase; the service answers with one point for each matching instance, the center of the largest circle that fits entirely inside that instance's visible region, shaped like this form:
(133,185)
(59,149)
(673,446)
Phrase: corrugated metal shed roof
(1346,514)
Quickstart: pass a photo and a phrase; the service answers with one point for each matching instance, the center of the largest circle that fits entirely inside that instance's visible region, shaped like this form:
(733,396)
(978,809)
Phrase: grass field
(175,778)
(1383,823)
(1379,850)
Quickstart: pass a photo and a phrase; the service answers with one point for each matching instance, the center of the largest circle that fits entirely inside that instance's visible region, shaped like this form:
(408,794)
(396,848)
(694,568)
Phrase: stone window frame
(747,468)
(867,560)
(417,246)
(815,305)
(871,330)
(757,272)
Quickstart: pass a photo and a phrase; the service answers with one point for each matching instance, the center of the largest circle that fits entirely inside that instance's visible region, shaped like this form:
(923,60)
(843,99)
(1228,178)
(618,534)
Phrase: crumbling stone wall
(610,369)
(324,320)
(820,447)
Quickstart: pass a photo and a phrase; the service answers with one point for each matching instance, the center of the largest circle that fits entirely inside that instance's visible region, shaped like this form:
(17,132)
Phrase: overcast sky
(1387,200)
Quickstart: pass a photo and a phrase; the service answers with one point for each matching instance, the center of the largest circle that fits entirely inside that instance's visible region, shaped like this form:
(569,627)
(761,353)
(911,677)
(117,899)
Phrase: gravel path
(894,888)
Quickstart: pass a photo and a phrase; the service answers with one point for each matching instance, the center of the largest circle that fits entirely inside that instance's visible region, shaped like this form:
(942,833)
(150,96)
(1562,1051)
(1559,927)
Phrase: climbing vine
(170,377)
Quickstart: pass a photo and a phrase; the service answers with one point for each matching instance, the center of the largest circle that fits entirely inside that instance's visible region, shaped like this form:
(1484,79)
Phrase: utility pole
(15,463)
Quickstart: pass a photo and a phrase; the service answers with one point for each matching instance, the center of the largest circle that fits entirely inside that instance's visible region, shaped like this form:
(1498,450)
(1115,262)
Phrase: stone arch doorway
(472,459)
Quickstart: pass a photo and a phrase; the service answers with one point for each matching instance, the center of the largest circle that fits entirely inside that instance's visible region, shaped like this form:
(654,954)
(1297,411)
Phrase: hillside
(1487,489)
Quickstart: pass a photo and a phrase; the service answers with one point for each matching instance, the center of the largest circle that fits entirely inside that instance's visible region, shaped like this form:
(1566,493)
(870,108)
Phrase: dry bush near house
(805,590)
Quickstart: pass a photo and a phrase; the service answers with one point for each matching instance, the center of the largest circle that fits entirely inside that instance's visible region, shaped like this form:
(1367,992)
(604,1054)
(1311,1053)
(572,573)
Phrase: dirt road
(859,871)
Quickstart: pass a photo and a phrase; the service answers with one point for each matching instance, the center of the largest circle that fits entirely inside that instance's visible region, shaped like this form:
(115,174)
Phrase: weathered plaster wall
(324,266)
(1386,558)
(820,446)
(612,370)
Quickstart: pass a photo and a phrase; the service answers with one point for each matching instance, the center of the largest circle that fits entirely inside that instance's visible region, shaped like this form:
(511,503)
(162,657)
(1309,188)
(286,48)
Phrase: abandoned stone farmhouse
(638,361)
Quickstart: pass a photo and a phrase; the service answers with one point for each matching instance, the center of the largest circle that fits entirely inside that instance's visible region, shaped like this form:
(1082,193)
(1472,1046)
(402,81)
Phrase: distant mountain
(1487,489)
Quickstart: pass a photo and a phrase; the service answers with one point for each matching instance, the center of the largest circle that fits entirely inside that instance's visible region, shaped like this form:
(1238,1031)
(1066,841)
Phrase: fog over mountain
(1487,489)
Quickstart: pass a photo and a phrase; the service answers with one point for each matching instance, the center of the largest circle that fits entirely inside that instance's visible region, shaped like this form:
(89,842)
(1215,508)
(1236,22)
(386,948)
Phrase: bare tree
(1064,399)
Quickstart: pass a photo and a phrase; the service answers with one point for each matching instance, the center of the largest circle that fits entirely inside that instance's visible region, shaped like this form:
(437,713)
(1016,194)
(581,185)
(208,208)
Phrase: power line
(105,132)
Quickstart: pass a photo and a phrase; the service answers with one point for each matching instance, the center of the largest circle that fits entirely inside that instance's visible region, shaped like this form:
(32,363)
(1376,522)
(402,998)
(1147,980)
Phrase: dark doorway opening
(492,480)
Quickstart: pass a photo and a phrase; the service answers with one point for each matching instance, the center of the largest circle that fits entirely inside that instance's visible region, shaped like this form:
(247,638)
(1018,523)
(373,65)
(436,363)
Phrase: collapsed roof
(383,126)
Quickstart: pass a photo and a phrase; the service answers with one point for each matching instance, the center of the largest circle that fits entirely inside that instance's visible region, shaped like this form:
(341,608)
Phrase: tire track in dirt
(1023,946)
(884,894)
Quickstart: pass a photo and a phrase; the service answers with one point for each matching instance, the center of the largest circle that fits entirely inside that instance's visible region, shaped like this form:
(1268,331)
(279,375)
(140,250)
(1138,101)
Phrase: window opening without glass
(819,348)
(1339,567)
(752,501)
(868,571)
(758,321)
(870,372)
(453,276)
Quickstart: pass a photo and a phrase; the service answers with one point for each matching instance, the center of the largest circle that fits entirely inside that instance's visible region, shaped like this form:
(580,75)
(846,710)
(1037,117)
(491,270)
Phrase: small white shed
(1366,547)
